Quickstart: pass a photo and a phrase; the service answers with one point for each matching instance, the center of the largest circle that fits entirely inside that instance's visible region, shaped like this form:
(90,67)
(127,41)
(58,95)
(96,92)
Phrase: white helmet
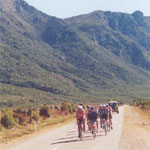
(80,107)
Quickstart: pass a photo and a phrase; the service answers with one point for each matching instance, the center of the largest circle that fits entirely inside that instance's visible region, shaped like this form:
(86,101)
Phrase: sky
(69,8)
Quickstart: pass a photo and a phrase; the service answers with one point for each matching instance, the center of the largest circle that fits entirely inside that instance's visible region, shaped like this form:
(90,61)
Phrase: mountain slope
(85,58)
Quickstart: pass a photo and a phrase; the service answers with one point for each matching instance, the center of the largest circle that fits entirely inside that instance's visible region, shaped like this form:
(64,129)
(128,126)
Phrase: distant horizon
(67,8)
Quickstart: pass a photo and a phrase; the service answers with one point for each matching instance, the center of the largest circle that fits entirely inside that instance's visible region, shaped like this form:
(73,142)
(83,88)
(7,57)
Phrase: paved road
(65,138)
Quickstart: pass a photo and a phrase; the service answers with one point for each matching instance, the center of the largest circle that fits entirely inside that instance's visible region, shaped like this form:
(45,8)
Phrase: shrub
(68,107)
(51,107)
(45,111)
(29,112)
(73,107)
(20,117)
(18,111)
(56,108)
(35,117)
(7,119)
(24,112)
(64,107)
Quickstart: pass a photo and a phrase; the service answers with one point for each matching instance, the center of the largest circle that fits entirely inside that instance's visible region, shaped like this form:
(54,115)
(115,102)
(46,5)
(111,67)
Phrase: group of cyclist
(92,115)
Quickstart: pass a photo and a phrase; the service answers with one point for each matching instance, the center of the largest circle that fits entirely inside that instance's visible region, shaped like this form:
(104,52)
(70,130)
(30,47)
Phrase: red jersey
(80,114)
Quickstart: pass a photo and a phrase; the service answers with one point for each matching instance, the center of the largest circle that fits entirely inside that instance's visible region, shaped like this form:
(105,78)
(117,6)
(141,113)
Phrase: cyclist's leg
(84,125)
(108,122)
(101,122)
(79,125)
(111,122)
(91,126)
(97,124)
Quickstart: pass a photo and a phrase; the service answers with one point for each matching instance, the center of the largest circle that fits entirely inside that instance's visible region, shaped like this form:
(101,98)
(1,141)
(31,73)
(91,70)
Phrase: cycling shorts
(80,121)
(104,117)
(92,121)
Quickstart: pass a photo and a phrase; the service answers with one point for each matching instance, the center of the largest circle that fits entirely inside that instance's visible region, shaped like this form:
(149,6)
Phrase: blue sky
(68,8)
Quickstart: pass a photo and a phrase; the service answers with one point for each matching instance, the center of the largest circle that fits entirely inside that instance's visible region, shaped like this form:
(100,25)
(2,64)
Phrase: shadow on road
(71,137)
(72,131)
(62,142)
(65,138)
(72,140)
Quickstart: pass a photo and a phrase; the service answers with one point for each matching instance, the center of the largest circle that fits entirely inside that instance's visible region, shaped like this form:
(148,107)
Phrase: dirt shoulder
(136,130)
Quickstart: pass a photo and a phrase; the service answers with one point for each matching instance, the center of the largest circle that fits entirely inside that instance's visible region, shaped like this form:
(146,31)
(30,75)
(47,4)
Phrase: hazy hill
(90,57)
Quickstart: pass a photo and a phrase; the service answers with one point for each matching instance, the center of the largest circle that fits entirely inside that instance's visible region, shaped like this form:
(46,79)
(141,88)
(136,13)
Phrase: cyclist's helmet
(92,107)
(106,105)
(80,107)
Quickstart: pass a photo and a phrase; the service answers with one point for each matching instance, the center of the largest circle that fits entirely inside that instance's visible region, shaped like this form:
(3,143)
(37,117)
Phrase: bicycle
(93,129)
(80,129)
(104,126)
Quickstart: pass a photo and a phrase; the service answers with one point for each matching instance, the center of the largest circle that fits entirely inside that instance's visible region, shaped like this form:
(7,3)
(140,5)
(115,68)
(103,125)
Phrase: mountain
(87,58)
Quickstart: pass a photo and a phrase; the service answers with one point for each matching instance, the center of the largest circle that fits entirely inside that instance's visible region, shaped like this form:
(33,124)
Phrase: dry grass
(20,133)
(136,130)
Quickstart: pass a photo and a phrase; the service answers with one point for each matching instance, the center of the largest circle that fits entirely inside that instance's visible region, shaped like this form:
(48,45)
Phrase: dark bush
(29,112)
(56,108)
(7,119)
(45,111)
(20,117)
(64,107)
(51,107)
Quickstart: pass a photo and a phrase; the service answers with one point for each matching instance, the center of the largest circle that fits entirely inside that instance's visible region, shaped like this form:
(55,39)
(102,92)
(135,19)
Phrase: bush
(7,119)
(51,107)
(45,111)
(73,107)
(29,112)
(35,117)
(56,108)
(64,107)
(21,118)
(68,107)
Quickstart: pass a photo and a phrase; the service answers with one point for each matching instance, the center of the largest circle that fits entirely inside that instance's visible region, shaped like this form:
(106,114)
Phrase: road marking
(55,148)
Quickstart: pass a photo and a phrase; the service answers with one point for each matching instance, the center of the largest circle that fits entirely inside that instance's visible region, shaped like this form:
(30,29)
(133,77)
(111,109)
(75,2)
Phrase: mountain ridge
(90,57)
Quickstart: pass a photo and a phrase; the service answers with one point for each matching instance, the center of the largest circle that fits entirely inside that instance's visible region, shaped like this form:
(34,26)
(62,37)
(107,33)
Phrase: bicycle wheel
(94,133)
(80,135)
(105,128)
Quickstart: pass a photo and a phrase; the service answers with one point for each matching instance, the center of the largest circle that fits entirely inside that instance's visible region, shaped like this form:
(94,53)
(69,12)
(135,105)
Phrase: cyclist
(109,115)
(100,114)
(84,117)
(96,120)
(104,116)
(93,115)
(80,116)
(87,116)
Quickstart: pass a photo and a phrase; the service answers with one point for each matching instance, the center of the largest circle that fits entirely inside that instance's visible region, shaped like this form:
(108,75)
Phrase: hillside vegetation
(88,58)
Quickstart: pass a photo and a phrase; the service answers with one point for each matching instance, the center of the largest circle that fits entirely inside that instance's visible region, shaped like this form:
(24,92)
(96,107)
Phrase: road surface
(65,138)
